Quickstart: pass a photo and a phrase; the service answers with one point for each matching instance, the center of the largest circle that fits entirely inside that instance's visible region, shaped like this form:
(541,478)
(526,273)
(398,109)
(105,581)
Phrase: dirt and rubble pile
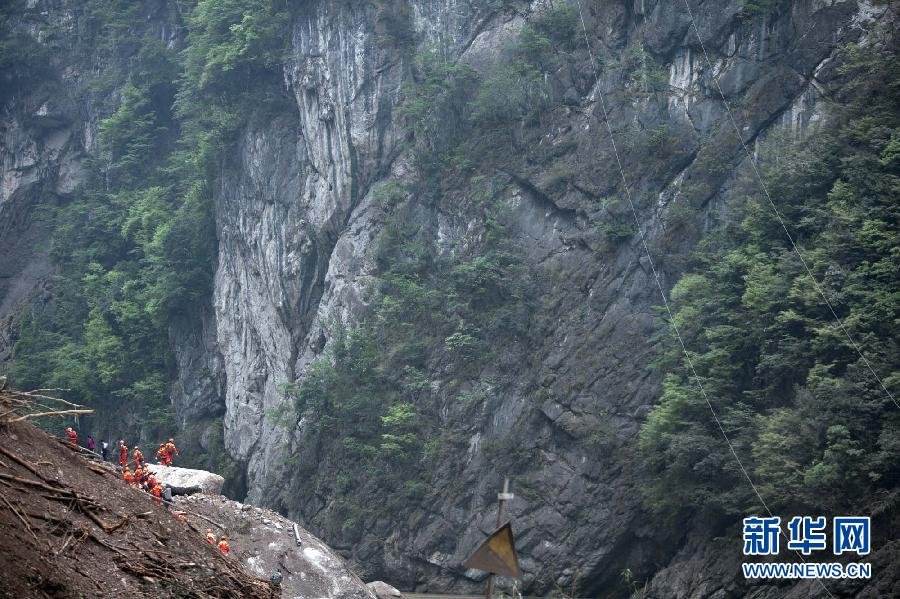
(266,543)
(72,528)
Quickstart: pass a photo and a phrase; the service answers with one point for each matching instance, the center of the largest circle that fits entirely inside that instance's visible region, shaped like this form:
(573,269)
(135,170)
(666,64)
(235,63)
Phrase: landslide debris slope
(265,542)
(71,528)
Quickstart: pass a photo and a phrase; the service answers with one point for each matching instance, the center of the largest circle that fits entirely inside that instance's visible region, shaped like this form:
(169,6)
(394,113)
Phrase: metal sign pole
(502,498)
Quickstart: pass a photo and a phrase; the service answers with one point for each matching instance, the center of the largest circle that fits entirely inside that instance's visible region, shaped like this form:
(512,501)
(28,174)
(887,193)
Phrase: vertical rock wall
(296,221)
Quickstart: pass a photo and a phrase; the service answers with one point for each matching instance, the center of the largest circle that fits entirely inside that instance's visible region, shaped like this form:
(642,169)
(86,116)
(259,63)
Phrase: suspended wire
(659,285)
(653,266)
(775,210)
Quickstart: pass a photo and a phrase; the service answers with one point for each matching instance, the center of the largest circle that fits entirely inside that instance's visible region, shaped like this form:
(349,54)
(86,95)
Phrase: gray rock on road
(383,590)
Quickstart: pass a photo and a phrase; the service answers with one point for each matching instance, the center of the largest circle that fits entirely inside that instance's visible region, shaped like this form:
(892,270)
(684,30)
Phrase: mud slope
(71,528)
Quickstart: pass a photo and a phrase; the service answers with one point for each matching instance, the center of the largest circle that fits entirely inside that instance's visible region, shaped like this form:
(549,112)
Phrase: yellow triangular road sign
(497,554)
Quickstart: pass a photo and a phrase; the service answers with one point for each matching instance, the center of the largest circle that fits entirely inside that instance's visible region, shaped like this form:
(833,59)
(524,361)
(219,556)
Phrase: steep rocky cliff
(301,214)
(297,214)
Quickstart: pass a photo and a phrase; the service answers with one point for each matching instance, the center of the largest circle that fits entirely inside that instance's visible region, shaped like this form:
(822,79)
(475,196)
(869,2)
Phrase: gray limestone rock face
(297,221)
(297,218)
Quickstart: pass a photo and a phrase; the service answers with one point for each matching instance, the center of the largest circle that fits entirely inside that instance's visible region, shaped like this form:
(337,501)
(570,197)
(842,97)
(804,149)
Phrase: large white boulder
(207,482)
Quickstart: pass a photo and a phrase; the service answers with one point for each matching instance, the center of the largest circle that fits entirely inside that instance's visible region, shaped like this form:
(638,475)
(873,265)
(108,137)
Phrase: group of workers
(165,454)
(142,478)
(72,435)
(222,544)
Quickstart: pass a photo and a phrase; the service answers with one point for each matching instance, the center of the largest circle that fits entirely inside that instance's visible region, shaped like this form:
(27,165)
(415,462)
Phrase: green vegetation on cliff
(373,393)
(134,250)
(807,418)
(375,397)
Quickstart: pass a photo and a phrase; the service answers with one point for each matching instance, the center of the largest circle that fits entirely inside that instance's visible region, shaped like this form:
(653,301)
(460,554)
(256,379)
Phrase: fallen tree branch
(53,413)
(47,517)
(35,483)
(19,516)
(107,528)
(89,577)
(82,503)
(98,470)
(68,540)
(31,395)
(102,543)
(121,523)
(21,461)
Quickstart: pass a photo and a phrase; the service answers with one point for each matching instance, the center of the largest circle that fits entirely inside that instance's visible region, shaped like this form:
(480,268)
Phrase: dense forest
(792,382)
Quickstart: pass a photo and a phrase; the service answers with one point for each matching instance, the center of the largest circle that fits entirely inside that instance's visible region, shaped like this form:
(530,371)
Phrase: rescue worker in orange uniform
(162,454)
(172,450)
(223,545)
(210,537)
(129,478)
(72,435)
(138,457)
(156,490)
(123,454)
